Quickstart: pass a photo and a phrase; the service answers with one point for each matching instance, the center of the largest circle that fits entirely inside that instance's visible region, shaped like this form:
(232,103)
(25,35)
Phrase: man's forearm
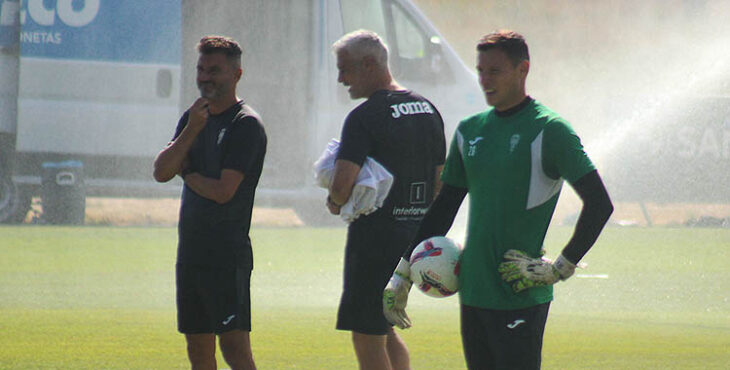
(339,197)
(343,179)
(169,161)
(440,216)
(206,187)
(437,184)
(218,190)
(589,226)
(597,209)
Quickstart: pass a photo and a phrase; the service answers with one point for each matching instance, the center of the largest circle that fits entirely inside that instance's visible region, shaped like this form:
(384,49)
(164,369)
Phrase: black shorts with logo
(212,300)
(503,339)
(374,247)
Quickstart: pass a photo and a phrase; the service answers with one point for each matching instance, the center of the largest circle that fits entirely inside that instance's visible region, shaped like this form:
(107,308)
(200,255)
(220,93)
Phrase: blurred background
(91,90)
(645,84)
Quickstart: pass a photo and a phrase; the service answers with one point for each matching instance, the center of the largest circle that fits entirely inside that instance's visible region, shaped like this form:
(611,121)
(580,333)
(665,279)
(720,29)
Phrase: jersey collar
(515,109)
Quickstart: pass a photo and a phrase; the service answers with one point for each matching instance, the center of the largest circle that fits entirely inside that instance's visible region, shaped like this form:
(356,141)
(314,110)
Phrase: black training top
(404,132)
(212,234)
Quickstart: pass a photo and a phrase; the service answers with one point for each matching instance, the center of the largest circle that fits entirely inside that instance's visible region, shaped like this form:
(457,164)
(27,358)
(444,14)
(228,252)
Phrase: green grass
(98,297)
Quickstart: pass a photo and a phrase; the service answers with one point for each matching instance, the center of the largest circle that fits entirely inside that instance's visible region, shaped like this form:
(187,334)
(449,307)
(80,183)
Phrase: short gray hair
(362,43)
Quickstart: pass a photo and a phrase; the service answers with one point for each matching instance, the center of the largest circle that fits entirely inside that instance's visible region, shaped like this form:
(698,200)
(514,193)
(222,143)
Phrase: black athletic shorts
(212,300)
(496,339)
(374,247)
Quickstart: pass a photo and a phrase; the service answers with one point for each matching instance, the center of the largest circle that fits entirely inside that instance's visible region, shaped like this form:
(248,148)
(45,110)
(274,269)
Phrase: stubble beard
(208,91)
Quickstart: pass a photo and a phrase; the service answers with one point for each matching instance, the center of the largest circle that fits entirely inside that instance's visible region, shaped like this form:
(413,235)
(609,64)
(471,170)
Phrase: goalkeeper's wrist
(564,267)
(403,269)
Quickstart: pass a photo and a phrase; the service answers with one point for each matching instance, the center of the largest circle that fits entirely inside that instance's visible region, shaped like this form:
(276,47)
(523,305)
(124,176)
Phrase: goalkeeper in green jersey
(511,159)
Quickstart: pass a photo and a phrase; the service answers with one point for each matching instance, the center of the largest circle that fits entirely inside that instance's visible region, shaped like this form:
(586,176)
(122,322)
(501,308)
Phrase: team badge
(220,136)
(513,141)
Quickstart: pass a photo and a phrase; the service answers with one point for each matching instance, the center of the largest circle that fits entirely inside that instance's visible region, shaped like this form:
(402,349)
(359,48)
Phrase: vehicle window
(366,14)
(411,43)
(413,57)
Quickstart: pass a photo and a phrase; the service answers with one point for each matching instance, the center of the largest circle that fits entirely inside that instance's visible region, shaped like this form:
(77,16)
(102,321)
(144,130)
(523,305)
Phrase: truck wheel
(14,203)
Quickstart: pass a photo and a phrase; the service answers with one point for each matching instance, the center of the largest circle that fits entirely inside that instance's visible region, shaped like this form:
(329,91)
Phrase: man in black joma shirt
(404,132)
(218,149)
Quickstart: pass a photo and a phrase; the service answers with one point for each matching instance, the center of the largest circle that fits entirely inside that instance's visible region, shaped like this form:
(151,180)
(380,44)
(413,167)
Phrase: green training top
(513,167)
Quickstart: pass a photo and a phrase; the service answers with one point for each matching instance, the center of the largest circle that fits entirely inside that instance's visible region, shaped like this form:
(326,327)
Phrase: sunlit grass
(98,297)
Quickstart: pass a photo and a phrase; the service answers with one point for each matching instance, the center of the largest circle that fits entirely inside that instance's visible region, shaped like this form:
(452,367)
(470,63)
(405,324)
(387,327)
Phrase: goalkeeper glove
(395,295)
(523,272)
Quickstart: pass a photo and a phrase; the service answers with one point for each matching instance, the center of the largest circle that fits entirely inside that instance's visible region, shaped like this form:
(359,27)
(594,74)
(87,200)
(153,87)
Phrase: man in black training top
(218,149)
(404,132)
(512,160)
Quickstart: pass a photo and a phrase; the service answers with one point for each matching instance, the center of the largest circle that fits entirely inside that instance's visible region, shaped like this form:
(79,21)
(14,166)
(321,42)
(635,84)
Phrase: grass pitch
(97,297)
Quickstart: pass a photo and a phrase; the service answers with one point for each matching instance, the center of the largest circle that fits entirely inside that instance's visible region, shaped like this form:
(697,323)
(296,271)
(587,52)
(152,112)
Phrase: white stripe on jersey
(460,141)
(542,187)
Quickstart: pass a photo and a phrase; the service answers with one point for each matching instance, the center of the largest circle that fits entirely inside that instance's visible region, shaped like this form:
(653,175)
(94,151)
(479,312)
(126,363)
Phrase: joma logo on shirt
(473,146)
(413,107)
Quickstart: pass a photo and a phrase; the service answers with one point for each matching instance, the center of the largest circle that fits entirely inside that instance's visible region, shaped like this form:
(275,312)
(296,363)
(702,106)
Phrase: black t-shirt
(404,132)
(212,234)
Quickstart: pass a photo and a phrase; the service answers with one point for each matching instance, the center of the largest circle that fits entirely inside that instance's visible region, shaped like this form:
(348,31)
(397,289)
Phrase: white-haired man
(404,132)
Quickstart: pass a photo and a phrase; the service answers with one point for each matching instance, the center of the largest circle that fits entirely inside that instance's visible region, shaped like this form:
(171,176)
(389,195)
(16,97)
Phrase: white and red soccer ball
(435,266)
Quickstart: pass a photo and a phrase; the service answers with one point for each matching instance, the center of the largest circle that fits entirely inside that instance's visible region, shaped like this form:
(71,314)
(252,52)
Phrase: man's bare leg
(397,351)
(370,351)
(236,349)
(201,351)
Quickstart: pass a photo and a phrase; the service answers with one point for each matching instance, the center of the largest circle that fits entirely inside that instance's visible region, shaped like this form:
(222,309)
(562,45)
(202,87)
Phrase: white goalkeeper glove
(524,272)
(395,295)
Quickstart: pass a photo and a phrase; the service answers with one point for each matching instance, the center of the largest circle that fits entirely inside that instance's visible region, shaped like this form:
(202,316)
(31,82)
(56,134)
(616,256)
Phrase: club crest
(220,136)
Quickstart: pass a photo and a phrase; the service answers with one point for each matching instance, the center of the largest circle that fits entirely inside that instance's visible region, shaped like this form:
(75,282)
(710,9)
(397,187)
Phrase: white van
(95,83)
(114,99)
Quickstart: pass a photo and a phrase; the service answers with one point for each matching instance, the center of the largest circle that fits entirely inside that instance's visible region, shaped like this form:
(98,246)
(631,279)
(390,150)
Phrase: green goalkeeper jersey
(513,167)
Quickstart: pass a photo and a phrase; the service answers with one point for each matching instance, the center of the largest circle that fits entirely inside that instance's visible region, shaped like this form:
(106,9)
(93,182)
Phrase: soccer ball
(435,266)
